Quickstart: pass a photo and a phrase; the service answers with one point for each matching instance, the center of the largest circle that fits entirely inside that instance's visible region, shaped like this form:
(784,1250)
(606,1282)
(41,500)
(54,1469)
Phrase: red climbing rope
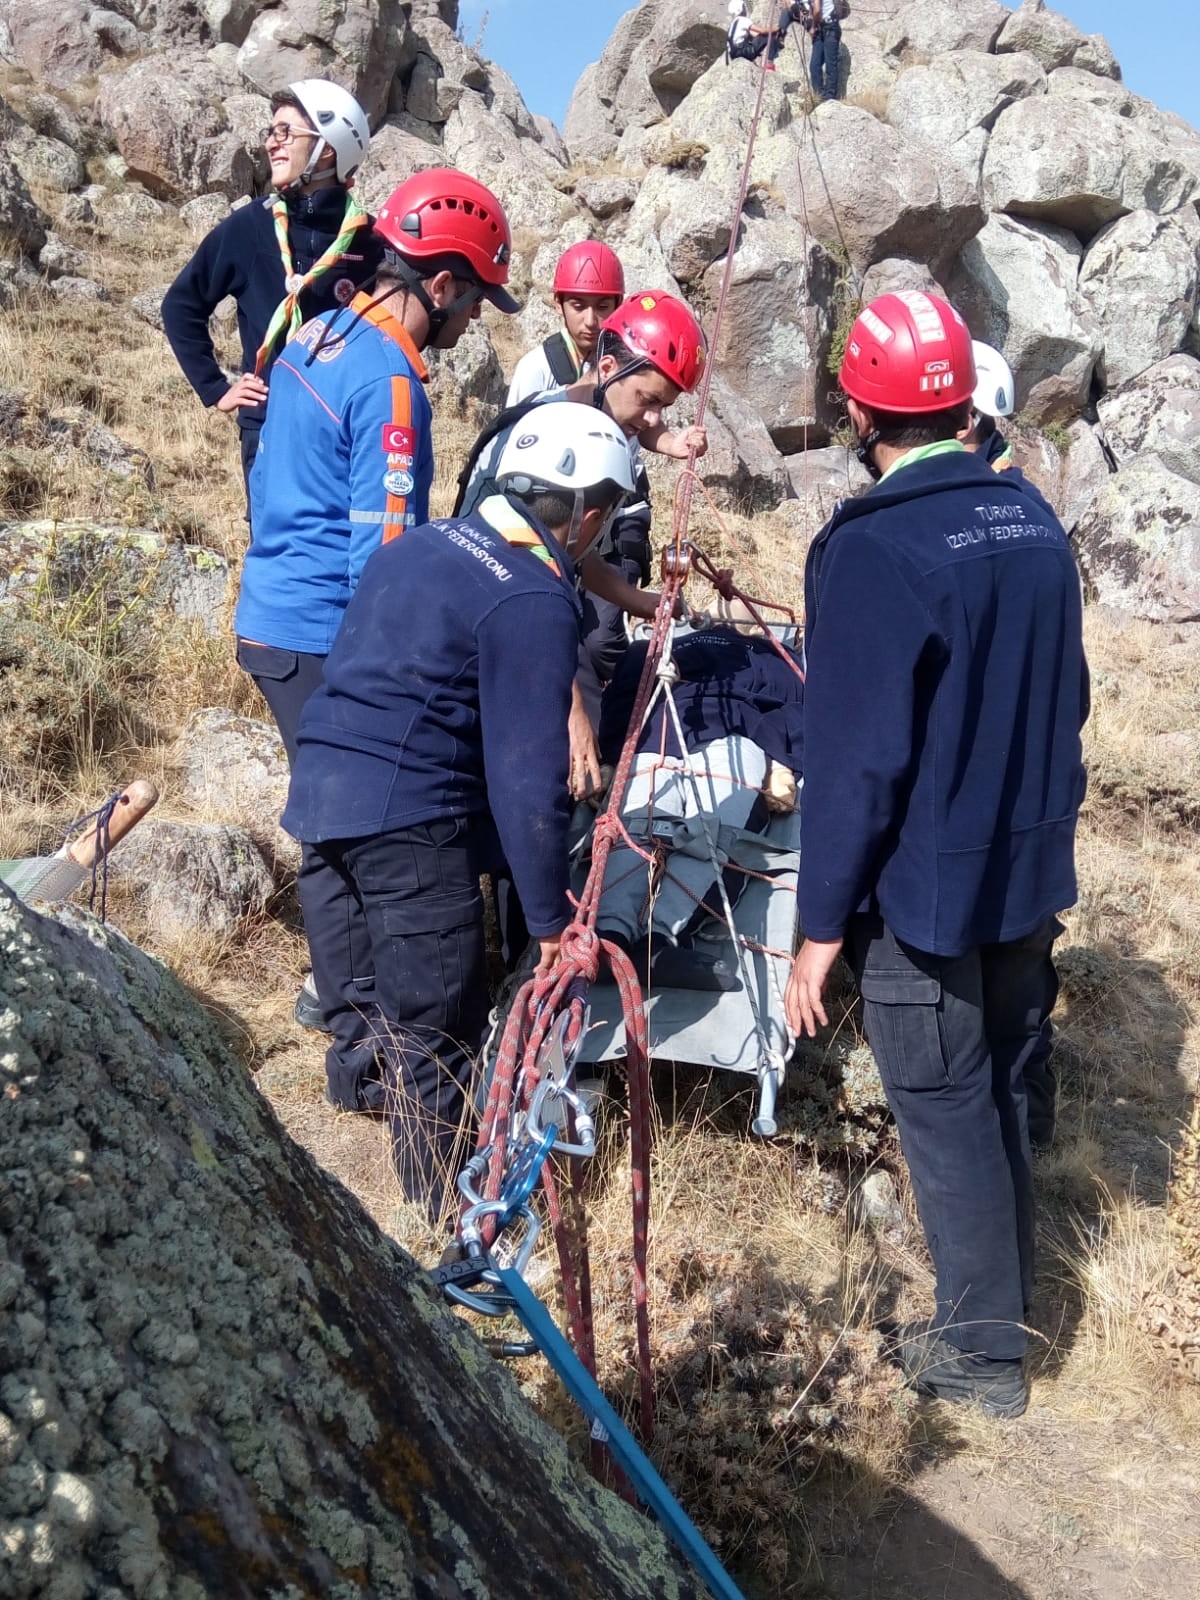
(557,998)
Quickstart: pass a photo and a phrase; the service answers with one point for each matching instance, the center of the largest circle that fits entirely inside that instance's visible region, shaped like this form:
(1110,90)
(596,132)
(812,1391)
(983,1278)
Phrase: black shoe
(676,967)
(370,1101)
(938,1369)
(308,1010)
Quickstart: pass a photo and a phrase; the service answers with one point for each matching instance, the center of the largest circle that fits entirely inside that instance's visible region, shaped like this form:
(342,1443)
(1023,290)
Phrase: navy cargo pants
(952,1037)
(398,957)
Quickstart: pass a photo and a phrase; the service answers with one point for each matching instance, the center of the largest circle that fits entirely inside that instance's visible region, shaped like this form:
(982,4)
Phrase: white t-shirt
(531,375)
(482,481)
(738,29)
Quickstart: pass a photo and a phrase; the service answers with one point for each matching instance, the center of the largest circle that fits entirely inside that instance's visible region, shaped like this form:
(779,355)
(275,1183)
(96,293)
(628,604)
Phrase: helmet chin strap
(438,316)
(601,388)
(865,451)
(320,144)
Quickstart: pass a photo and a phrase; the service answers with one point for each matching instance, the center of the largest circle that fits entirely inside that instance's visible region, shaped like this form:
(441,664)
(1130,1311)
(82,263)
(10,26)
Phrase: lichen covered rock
(219,1378)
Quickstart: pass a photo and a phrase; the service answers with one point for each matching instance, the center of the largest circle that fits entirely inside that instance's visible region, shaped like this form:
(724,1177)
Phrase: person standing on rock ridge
(995,396)
(589,285)
(825,28)
(303,252)
(346,458)
(442,717)
(945,693)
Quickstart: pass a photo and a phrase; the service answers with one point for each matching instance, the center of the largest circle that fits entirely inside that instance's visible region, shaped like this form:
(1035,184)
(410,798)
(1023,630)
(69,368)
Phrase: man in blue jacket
(443,714)
(946,690)
(302,252)
(346,458)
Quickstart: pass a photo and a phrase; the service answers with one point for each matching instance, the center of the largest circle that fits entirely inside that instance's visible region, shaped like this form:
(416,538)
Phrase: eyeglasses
(284,133)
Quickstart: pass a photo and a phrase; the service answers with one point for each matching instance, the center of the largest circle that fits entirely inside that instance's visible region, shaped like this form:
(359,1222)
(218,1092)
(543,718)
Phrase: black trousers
(953,1037)
(603,639)
(401,969)
(249,447)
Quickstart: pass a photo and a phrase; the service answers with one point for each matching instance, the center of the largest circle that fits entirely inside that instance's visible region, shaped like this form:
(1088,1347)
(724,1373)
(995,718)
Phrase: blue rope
(102,817)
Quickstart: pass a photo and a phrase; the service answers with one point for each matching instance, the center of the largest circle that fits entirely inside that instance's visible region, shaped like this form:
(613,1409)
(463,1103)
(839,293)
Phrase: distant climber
(825,29)
(589,285)
(305,251)
(746,42)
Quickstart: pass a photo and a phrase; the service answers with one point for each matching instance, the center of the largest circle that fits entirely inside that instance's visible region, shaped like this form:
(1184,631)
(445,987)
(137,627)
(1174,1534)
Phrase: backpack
(508,418)
(558,359)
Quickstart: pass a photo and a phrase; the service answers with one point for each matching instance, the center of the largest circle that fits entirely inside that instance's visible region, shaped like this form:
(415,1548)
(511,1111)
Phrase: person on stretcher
(739,703)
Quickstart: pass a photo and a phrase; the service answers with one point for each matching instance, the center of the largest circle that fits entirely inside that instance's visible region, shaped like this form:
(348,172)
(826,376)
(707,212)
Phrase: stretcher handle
(132,805)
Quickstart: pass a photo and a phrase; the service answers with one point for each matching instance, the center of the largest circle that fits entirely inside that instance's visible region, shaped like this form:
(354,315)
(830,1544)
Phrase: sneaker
(308,1010)
(770,66)
(936,1368)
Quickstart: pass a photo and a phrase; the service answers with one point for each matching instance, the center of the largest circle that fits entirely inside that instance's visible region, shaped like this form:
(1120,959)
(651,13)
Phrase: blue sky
(545,44)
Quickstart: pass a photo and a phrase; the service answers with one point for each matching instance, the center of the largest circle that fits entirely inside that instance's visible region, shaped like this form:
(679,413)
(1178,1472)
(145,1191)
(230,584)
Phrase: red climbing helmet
(660,330)
(440,214)
(589,268)
(909,353)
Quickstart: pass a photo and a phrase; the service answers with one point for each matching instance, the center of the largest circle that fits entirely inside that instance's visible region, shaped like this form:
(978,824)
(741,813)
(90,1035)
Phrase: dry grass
(778,1424)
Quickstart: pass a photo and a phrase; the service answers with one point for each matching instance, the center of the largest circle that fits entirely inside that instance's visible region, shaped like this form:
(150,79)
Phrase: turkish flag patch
(398,441)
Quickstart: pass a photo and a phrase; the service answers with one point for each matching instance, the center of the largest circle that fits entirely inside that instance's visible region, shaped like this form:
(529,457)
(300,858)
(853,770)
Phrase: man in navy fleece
(305,250)
(443,713)
(946,690)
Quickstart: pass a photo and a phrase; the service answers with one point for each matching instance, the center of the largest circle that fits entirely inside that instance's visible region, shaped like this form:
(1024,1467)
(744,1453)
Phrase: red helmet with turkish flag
(660,330)
(590,268)
(909,353)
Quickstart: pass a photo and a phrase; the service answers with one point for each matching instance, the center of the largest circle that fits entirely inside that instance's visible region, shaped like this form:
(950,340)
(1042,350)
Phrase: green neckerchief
(923,452)
(287,314)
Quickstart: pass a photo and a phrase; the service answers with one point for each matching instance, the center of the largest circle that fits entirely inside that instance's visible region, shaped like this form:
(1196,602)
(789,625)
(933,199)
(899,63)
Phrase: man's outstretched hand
(803,1002)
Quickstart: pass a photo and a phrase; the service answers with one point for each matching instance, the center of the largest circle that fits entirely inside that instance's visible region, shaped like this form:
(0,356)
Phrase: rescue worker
(739,700)
(405,753)
(346,460)
(649,352)
(946,689)
(589,285)
(297,254)
(995,396)
(825,28)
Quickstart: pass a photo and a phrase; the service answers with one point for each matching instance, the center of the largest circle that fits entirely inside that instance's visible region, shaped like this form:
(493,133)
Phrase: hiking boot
(936,1368)
(308,1011)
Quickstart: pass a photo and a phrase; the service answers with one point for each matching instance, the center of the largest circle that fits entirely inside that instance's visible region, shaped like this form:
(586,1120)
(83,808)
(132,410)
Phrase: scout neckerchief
(287,314)
(502,516)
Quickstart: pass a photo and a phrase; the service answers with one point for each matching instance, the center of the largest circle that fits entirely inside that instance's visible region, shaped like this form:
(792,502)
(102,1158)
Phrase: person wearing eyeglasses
(302,251)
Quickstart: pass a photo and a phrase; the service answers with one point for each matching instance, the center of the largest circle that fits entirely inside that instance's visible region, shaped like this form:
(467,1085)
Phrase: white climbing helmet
(737,8)
(339,119)
(564,445)
(995,390)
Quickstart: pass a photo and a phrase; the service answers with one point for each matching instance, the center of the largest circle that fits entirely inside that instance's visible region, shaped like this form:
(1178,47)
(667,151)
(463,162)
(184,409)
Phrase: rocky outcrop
(1141,282)
(1056,42)
(925,27)
(22,223)
(1159,413)
(193,879)
(193,1404)
(1139,543)
(1017,285)
(235,769)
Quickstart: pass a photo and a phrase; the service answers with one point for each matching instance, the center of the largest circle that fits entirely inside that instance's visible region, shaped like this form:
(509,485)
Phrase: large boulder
(1086,471)
(137,573)
(359,43)
(1141,281)
(1056,42)
(1158,413)
(60,41)
(588,127)
(192,879)
(234,769)
(1017,285)
(40,158)
(220,1378)
(871,191)
(929,27)
(173,131)
(960,92)
(1080,172)
(1139,543)
(777,331)
(22,223)
(743,469)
